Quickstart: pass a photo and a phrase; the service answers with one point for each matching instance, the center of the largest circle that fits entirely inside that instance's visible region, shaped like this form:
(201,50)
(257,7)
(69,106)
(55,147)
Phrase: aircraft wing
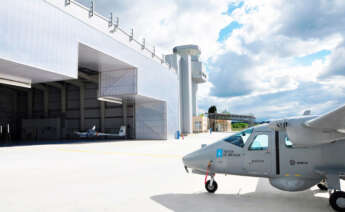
(77,133)
(81,134)
(108,134)
(122,133)
(102,134)
(311,131)
(334,120)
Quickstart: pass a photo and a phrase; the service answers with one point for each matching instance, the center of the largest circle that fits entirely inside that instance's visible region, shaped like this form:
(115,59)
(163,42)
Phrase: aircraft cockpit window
(288,143)
(239,139)
(260,143)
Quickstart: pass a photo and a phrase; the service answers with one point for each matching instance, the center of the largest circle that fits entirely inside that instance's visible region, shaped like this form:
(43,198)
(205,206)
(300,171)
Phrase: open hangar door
(54,111)
(105,95)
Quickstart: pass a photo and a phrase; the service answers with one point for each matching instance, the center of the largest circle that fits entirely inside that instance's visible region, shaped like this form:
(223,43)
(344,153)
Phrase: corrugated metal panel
(151,120)
(118,83)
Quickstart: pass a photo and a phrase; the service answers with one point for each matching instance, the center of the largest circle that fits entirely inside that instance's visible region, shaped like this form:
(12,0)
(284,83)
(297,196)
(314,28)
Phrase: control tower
(191,72)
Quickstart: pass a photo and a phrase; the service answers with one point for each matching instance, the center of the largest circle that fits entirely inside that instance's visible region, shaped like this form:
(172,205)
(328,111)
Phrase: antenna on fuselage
(307,113)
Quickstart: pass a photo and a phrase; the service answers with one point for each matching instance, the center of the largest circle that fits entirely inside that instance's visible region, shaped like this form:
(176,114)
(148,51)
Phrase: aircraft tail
(122,131)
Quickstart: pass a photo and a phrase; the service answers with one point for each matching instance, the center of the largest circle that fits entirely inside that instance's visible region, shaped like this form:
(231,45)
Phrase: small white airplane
(294,154)
(93,133)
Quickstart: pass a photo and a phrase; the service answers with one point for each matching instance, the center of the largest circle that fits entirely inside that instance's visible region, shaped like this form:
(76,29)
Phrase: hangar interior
(53,111)
(104,95)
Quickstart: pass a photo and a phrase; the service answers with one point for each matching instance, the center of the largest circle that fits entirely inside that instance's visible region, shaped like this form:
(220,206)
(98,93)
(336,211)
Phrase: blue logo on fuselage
(219,153)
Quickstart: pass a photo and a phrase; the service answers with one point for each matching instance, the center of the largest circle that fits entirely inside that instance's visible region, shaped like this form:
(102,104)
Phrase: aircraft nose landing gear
(211,185)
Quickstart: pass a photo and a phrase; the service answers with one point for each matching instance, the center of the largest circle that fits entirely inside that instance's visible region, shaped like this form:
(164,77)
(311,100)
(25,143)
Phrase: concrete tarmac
(132,176)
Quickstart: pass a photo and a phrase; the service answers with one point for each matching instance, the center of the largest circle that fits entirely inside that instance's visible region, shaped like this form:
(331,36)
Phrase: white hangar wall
(46,38)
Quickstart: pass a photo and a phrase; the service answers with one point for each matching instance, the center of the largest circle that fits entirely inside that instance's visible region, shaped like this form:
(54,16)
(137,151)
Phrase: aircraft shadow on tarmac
(265,198)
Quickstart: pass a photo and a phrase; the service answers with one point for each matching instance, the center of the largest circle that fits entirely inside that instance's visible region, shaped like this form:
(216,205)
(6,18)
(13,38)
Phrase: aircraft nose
(196,160)
(188,159)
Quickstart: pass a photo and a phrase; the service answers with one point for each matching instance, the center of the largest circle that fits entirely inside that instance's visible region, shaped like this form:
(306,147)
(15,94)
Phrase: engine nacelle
(293,183)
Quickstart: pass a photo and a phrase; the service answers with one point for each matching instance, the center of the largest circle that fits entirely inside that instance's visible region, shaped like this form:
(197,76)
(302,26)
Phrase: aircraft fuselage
(268,153)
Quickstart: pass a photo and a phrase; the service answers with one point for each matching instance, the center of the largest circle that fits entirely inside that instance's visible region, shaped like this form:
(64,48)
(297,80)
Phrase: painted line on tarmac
(124,153)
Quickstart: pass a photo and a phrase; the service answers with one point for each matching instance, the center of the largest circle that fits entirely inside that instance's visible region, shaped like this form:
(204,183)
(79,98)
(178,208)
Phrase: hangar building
(65,68)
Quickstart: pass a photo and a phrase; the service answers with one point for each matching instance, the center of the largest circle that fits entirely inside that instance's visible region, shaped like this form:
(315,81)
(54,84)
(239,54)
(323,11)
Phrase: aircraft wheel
(337,201)
(213,188)
(322,187)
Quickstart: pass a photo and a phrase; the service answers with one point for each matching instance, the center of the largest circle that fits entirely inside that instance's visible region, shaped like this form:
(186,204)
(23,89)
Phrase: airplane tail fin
(122,131)
(307,113)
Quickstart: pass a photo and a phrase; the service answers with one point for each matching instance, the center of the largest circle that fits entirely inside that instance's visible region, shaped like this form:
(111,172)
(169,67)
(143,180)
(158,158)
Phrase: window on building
(198,125)
(239,139)
(260,143)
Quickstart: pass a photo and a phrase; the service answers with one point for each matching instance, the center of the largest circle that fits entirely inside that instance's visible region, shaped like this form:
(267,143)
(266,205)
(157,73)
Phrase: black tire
(322,187)
(337,201)
(213,188)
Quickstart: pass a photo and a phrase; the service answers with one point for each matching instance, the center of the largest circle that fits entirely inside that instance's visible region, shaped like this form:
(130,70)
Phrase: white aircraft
(294,154)
(93,133)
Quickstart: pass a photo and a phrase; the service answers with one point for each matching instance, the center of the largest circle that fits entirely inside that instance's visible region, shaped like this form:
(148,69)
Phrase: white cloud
(273,34)
(336,65)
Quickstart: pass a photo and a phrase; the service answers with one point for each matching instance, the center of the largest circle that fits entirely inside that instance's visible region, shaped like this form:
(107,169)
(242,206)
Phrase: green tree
(239,126)
(225,112)
(212,109)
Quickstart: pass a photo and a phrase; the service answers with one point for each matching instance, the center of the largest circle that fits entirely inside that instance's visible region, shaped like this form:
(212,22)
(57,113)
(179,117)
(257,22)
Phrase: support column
(81,87)
(102,111)
(63,127)
(15,103)
(29,112)
(63,100)
(194,92)
(186,98)
(124,112)
(82,104)
(62,89)
(45,91)
(13,126)
(46,103)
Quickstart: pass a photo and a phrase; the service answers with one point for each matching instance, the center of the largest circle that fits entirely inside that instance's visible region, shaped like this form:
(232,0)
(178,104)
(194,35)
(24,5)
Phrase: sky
(270,58)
